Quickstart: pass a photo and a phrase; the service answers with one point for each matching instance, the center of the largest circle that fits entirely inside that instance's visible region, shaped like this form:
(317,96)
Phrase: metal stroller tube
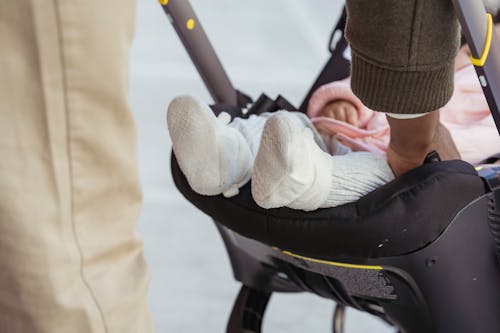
(339,319)
(201,52)
(480,36)
(473,20)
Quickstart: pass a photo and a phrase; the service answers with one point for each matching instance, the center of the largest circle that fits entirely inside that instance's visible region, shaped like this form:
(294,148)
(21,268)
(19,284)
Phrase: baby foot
(292,171)
(290,168)
(214,157)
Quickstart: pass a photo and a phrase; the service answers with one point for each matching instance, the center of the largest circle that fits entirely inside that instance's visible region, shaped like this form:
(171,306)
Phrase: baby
(281,152)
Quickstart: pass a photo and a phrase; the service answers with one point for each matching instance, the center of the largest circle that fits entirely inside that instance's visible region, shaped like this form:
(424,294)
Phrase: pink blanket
(467,117)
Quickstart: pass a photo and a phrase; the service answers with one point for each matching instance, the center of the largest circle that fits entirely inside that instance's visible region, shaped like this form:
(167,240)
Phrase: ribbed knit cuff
(400,91)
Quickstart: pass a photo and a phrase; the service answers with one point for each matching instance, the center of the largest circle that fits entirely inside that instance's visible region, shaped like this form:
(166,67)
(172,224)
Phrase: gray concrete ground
(273,46)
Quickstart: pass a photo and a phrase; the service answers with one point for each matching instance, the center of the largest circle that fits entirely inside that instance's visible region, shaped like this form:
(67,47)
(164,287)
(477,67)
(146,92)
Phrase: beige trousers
(70,256)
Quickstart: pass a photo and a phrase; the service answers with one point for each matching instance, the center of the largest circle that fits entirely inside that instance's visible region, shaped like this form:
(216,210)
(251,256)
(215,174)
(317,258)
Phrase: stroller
(421,252)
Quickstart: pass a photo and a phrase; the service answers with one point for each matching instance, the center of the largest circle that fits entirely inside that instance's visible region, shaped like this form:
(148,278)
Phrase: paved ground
(273,46)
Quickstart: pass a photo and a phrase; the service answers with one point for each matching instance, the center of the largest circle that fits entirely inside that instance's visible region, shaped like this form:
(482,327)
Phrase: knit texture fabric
(399,91)
(403,53)
(287,156)
(291,170)
(214,157)
(355,175)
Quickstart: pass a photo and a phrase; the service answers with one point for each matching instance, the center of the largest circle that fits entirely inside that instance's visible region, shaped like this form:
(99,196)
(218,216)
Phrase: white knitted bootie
(291,170)
(214,157)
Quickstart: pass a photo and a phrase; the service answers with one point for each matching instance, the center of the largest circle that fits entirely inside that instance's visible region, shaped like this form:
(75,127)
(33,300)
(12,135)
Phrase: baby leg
(292,170)
(214,157)
(252,128)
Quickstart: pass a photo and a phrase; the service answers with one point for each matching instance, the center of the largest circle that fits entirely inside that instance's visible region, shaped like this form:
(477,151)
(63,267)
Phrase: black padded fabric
(398,218)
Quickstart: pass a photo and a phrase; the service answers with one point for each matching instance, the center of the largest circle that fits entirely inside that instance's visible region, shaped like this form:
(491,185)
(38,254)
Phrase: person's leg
(403,55)
(70,256)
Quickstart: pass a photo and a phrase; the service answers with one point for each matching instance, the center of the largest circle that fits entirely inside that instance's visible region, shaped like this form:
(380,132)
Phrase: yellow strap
(480,62)
(163,2)
(332,263)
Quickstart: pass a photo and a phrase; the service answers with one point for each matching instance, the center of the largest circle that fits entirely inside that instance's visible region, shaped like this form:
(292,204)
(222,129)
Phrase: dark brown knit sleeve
(403,53)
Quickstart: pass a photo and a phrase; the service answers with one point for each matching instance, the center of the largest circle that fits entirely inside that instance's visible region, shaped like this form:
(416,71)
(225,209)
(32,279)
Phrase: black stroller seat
(391,221)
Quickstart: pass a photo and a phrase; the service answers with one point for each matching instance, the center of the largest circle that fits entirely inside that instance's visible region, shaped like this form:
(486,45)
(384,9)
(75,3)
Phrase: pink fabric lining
(467,117)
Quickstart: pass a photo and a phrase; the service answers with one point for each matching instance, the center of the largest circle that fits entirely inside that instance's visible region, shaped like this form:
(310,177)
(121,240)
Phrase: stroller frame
(471,14)
(263,269)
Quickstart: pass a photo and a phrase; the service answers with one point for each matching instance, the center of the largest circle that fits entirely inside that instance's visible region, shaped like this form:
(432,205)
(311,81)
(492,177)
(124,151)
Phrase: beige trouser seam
(70,163)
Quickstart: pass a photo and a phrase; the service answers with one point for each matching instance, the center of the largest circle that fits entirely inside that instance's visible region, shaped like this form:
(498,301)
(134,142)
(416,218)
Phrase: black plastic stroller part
(432,157)
(424,290)
(480,35)
(494,216)
(490,173)
(421,252)
(490,160)
(248,311)
(489,170)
